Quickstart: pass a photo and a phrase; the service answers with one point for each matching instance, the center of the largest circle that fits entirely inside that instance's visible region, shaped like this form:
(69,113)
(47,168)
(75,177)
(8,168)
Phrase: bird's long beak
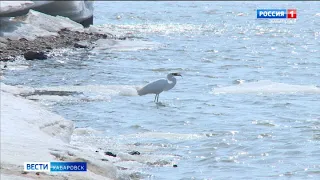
(176,74)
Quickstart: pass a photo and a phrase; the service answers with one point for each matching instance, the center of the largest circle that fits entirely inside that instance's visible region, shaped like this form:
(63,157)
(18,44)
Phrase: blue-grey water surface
(245,133)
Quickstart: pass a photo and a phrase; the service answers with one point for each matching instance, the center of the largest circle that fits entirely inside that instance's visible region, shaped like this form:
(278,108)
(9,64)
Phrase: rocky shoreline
(40,46)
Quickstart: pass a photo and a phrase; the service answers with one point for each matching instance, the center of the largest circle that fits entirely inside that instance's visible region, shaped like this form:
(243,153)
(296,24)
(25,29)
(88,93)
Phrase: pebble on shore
(32,40)
(39,47)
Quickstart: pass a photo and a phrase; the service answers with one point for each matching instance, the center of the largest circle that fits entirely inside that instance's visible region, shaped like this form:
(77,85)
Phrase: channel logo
(55,166)
(276,13)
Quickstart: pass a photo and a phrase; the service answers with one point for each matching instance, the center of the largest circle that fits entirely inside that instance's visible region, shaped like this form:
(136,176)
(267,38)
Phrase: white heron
(160,85)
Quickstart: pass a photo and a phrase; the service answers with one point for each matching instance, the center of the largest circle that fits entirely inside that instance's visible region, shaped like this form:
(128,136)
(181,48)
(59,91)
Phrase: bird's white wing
(155,87)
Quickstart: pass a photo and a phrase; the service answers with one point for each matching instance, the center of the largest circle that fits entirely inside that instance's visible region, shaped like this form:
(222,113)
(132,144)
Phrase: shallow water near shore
(247,106)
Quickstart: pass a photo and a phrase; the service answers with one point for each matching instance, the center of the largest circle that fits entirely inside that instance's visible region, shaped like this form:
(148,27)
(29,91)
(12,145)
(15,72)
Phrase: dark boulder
(81,44)
(31,55)
(134,153)
(110,154)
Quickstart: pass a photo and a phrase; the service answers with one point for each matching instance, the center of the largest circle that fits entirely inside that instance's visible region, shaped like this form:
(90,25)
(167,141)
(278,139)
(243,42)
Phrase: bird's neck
(171,84)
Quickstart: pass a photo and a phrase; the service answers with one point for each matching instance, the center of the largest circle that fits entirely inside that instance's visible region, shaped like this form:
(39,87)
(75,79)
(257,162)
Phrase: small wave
(72,93)
(85,131)
(267,123)
(161,135)
(122,90)
(162,28)
(167,69)
(16,89)
(266,86)
(124,45)
(238,81)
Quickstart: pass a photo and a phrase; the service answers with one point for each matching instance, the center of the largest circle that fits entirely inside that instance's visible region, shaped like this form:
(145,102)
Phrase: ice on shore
(12,6)
(31,133)
(36,24)
(19,131)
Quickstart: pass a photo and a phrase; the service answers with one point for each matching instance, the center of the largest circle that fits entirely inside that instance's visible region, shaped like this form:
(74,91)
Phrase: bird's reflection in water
(160,104)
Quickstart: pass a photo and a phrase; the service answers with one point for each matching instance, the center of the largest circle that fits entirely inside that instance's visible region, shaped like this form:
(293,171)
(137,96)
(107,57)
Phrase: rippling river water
(247,106)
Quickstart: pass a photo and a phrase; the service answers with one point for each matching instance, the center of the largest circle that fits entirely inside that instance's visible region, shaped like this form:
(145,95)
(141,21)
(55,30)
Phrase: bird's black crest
(176,74)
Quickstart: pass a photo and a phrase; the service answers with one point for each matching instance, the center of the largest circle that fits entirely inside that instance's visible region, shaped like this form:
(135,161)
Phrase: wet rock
(134,153)
(50,93)
(24,172)
(65,30)
(3,68)
(175,165)
(158,163)
(31,55)
(11,48)
(81,44)
(110,154)
(97,151)
(104,160)
(2,45)
(3,40)
(69,42)
(122,168)
(6,58)
(23,39)
(37,173)
(104,36)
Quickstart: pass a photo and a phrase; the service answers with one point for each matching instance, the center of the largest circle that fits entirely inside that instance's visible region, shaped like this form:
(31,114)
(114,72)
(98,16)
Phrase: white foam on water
(165,135)
(91,139)
(102,30)
(110,45)
(19,64)
(54,98)
(162,28)
(85,131)
(266,86)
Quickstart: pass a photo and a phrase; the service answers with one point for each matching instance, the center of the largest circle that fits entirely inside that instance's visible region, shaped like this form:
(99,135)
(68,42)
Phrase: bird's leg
(155,97)
(158,98)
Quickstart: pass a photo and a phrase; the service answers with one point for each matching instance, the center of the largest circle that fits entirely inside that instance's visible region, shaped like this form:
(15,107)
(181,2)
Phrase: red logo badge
(291,13)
